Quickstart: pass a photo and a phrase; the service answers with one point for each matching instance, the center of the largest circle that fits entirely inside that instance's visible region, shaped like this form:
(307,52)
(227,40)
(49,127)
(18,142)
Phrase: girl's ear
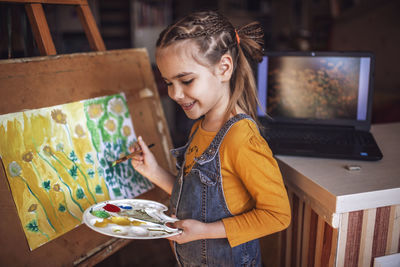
(225,68)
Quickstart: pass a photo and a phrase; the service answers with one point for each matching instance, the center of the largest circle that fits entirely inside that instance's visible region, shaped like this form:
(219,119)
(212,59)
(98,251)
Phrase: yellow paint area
(50,190)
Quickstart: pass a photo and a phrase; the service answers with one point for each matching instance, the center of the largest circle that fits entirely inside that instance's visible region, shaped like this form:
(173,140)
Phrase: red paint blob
(111,208)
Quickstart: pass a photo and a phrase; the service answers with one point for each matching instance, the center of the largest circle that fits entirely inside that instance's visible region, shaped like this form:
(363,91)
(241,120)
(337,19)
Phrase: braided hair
(215,36)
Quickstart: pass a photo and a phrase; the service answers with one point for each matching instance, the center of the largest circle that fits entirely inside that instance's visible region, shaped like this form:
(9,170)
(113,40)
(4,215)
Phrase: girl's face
(198,89)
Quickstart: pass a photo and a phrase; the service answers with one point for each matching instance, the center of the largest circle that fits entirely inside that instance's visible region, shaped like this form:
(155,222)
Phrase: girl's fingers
(143,145)
(138,158)
(177,224)
(134,147)
(137,161)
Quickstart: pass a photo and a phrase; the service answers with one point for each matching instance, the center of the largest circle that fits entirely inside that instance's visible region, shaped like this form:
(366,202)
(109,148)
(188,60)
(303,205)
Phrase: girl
(229,190)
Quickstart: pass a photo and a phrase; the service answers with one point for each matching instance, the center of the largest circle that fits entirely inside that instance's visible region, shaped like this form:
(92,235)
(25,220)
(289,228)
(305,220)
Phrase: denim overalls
(199,195)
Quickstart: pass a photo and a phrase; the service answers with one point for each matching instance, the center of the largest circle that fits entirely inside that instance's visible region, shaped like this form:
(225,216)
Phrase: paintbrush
(129,156)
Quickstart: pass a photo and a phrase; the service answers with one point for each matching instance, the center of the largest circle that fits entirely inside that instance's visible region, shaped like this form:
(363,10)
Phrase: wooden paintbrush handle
(131,155)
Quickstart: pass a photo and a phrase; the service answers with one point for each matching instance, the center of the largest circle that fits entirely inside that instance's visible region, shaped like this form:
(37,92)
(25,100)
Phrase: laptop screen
(316,87)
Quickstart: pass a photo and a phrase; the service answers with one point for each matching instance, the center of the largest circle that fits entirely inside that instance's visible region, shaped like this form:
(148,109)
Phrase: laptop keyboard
(323,137)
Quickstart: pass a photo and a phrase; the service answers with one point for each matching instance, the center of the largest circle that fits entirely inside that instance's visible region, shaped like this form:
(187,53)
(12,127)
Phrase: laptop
(318,104)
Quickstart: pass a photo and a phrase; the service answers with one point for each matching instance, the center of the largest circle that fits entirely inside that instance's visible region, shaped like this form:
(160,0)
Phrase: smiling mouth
(188,106)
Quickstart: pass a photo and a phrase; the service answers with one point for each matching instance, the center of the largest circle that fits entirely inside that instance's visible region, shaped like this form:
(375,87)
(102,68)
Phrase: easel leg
(89,25)
(40,29)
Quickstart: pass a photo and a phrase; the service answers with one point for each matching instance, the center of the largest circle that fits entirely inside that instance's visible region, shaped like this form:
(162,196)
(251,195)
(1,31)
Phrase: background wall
(376,29)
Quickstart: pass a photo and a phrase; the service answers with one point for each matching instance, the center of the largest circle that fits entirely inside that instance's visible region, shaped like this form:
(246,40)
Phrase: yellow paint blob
(122,221)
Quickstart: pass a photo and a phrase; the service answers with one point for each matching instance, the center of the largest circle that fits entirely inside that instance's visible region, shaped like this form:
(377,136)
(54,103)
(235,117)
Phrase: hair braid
(253,36)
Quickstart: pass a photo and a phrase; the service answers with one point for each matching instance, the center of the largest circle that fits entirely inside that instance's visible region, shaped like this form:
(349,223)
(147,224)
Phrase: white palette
(130,218)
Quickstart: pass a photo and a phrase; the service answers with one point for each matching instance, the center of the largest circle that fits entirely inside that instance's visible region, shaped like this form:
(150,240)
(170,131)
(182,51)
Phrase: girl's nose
(175,92)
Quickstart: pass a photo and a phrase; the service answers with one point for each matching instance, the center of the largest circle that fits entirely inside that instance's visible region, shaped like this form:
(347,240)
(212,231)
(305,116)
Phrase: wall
(375,28)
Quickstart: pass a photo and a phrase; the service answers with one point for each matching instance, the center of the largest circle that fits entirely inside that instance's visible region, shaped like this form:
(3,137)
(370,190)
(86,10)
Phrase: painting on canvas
(58,162)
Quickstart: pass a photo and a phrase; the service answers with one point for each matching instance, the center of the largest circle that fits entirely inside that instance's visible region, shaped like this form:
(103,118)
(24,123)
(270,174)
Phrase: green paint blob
(100,213)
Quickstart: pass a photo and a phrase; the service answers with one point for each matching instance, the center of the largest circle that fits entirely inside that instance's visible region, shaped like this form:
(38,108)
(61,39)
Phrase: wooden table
(342,217)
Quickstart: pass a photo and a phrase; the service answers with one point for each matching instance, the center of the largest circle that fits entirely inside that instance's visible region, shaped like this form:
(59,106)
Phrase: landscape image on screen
(316,88)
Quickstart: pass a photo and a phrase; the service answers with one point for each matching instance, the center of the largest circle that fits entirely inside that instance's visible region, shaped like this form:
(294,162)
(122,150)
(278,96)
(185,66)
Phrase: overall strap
(213,148)
(177,151)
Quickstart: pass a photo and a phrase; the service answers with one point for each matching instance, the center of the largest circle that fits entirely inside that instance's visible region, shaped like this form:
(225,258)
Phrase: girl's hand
(194,230)
(191,230)
(145,163)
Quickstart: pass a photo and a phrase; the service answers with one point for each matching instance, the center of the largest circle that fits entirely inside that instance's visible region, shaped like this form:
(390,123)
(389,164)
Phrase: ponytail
(243,85)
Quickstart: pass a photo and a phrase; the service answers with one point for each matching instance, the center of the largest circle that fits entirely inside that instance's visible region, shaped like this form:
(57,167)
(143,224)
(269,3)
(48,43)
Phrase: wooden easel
(46,81)
(41,31)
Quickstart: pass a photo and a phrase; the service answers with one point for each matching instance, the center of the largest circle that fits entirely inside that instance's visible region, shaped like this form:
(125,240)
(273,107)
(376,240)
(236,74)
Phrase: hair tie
(237,37)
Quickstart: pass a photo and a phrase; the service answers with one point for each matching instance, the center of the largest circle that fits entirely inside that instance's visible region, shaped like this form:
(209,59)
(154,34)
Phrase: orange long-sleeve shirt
(251,179)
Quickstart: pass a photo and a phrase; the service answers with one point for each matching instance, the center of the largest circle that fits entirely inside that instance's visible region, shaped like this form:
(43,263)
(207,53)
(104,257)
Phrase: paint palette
(130,218)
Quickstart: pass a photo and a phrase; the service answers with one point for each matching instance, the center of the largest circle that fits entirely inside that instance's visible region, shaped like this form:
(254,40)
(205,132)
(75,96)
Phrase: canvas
(58,162)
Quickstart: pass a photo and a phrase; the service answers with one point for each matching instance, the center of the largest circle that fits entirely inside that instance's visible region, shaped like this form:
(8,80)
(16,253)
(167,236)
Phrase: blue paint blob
(125,207)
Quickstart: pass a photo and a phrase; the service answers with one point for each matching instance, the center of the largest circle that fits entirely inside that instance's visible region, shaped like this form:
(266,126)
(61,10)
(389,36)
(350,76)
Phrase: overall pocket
(207,177)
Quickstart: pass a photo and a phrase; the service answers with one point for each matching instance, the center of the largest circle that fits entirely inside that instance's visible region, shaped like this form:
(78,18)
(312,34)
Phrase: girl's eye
(187,82)
(168,84)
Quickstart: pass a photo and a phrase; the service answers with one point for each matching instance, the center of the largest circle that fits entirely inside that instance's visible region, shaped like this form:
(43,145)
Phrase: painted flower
(46,185)
(27,157)
(99,190)
(58,116)
(32,226)
(117,106)
(56,187)
(110,125)
(79,193)
(79,131)
(48,150)
(73,172)
(126,130)
(62,208)
(73,157)
(32,207)
(95,111)
(60,147)
(91,173)
(14,169)
(89,159)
